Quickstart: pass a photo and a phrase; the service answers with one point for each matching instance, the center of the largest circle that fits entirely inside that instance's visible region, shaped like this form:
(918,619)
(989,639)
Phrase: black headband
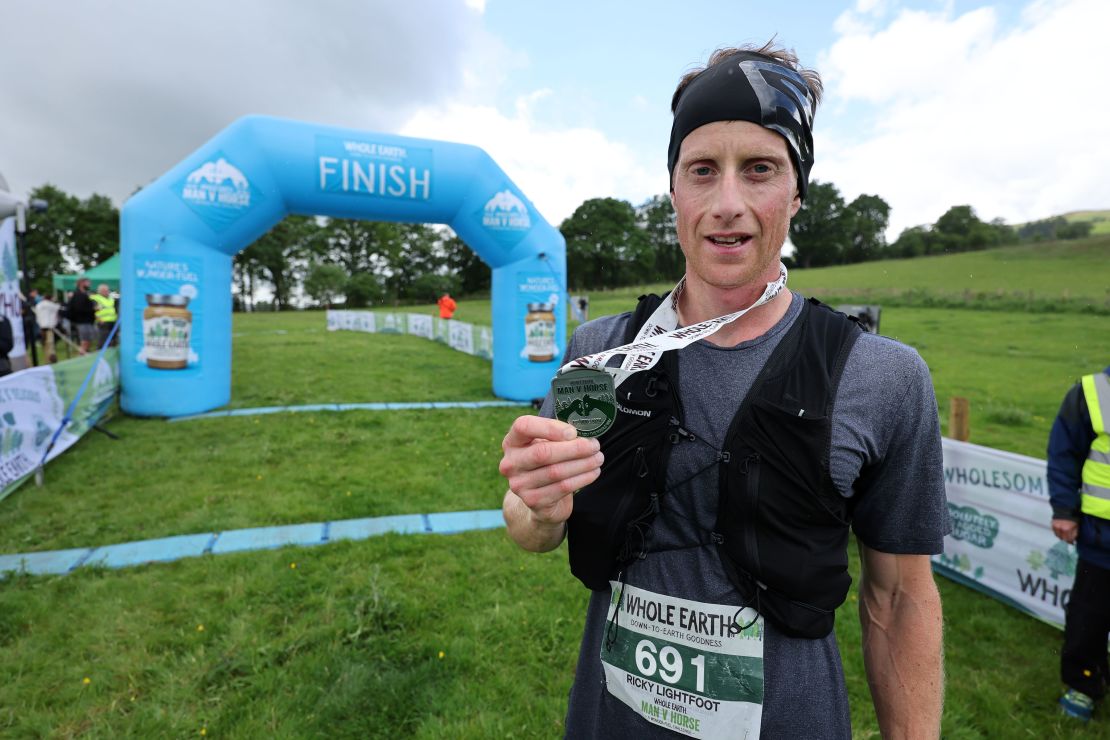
(749,87)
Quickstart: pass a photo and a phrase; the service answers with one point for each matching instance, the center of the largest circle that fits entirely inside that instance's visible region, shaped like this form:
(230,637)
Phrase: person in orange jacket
(446,306)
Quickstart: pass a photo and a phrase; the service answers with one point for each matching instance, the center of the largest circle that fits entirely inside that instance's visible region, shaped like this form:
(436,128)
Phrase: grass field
(427,636)
(1060,276)
(1051,277)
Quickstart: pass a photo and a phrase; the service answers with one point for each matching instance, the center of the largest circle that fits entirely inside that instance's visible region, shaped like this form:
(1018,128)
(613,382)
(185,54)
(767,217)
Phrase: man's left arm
(901,517)
(902,626)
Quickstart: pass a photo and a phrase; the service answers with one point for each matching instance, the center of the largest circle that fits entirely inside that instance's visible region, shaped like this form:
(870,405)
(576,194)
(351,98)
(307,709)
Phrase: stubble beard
(726,275)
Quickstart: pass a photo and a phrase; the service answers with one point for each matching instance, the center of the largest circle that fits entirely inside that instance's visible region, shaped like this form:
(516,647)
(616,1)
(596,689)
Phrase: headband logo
(784,89)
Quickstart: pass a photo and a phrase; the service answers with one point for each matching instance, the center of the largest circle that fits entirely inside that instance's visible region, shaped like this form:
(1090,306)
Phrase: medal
(585,389)
(585,399)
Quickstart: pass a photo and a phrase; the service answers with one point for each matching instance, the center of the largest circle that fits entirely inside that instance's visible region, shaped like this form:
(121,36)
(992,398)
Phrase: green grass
(164,478)
(1001,362)
(1069,276)
(426,637)
(309,364)
(1051,277)
(348,643)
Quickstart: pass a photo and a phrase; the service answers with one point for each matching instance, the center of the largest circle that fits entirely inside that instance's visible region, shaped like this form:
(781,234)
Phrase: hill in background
(1099,219)
(1071,276)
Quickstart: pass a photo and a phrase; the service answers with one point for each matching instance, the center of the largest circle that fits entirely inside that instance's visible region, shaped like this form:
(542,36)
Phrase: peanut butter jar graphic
(539,332)
(167,325)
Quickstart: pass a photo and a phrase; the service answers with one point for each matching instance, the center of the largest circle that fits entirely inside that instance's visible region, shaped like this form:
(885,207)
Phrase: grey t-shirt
(884,419)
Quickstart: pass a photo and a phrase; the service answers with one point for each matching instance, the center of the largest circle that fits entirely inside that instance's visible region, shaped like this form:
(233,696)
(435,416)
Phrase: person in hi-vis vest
(1079,489)
(106,314)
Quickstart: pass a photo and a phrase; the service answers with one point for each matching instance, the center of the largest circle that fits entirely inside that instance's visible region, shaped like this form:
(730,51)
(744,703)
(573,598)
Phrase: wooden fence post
(959,411)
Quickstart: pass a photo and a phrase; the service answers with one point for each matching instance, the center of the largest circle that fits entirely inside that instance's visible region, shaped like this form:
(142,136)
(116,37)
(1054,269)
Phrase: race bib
(690,667)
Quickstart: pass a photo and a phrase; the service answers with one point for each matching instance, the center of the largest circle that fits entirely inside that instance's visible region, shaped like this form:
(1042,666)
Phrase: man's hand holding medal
(545,462)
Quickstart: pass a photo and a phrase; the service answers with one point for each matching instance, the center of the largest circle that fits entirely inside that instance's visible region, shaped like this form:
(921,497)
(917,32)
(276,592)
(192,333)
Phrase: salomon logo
(634,412)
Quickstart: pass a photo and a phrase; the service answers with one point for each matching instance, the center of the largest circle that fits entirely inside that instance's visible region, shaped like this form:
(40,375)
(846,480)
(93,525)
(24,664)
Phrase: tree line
(610,243)
(365,263)
(360,263)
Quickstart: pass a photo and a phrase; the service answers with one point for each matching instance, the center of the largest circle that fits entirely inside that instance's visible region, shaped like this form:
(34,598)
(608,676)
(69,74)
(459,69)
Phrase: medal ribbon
(659,334)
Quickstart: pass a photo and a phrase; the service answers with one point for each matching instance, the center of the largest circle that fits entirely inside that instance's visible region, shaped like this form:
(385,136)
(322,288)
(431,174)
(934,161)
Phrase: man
(712,520)
(46,314)
(81,312)
(7,342)
(27,313)
(1079,490)
(446,305)
(105,313)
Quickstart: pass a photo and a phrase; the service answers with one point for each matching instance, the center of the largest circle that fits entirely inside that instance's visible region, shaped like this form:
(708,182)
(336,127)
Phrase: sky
(928,103)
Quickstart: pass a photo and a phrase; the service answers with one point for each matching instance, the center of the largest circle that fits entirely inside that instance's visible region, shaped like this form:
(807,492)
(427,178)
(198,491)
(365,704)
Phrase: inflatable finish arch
(179,234)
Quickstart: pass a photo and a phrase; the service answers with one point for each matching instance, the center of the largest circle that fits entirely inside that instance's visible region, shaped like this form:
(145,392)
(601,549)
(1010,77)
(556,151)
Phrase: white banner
(485,342)
(1002,542)
(392,323)
(32,410)
(420,325)
(441,330)
(459,335)
(33,403)
(10,304)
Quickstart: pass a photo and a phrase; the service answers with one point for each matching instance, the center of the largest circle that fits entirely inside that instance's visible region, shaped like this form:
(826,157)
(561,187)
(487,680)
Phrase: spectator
(7,341)
(446,306)
(1079,490)
(30,322)
(106,313)
(81,312)
(46,314)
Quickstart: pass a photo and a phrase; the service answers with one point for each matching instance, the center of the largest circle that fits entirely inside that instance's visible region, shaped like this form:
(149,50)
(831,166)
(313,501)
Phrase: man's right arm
(545,462)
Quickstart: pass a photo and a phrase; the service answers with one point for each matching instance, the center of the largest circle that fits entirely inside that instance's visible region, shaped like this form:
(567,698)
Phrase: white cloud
(870,7)
(860,18)
(917,55)
(110,110)
(958,111)
(556,168)
(105,95)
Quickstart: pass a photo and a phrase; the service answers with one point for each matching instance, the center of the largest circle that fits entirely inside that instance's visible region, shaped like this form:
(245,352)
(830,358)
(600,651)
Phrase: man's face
(734,193)
(103,290)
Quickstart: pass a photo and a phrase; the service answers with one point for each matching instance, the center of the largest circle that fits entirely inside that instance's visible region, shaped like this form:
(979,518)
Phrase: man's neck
(699,302)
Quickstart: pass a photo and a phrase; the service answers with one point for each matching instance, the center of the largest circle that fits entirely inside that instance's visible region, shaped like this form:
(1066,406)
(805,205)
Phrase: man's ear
(671,194)
(796,204)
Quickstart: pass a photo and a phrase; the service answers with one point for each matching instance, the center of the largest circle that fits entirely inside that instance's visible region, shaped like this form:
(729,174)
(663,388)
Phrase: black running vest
(782,527)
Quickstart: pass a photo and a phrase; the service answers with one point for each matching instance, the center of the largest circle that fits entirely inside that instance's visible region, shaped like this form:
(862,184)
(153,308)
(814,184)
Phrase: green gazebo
(106,272)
